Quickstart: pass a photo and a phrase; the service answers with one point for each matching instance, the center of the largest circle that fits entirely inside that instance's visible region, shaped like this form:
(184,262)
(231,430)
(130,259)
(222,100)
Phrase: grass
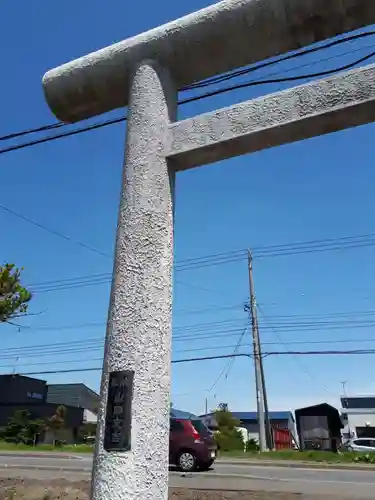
(304,456)
(287,455)
(79,448)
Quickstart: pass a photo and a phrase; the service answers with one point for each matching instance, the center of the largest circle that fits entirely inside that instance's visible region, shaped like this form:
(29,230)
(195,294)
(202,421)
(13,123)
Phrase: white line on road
(268,478)
(323,470)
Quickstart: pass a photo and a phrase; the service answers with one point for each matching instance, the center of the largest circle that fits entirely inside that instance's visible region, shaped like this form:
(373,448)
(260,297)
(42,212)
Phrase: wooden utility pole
(345,404)
(257,359)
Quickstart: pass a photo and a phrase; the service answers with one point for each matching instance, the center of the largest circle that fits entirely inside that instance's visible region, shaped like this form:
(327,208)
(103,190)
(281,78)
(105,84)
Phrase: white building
(358,415)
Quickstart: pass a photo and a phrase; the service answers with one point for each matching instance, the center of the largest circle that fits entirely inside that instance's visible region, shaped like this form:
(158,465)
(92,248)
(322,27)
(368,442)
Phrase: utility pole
(257,359)
(269,433)
(345,405)
(343,383)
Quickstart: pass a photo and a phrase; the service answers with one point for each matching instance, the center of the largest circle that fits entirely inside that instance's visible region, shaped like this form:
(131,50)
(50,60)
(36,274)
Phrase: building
(75,395)
(18,392)
(358,416)
(249,421)
(319,427)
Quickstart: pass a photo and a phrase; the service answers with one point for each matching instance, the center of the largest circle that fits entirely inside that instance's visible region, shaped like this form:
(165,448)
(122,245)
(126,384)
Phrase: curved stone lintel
(219,38)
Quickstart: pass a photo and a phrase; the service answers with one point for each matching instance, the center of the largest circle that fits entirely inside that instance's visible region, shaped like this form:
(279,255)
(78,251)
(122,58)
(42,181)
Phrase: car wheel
(186,461)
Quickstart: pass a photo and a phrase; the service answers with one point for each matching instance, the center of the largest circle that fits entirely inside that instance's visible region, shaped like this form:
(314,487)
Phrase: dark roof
(78,395)
(252,415)
(322,407)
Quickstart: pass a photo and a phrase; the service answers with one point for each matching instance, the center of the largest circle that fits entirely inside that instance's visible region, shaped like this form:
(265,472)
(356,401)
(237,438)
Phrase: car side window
(362,442)
(176,426)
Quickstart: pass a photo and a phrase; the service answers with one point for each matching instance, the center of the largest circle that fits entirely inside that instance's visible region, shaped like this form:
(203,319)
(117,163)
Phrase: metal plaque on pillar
(118,417)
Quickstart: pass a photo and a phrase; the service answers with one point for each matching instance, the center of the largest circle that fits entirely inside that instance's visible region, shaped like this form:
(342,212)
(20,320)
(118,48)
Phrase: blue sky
(318,189)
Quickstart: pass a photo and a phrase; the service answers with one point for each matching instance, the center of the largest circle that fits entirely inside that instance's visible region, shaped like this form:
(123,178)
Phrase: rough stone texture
(139,323)
(317,108)
(220,38)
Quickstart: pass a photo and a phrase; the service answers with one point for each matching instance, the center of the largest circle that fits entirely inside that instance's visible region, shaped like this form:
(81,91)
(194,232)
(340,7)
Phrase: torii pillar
(144,73)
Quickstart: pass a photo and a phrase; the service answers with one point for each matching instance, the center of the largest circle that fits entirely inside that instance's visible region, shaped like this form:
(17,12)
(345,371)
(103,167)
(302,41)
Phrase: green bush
(21,428)
(228,436)
(252,445)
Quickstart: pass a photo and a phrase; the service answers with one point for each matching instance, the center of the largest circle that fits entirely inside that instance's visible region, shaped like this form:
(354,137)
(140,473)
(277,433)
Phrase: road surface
(344,483)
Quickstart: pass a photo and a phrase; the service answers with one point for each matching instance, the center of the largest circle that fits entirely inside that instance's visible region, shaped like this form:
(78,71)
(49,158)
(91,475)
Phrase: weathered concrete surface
(342,101)
(139,323)
(214,40)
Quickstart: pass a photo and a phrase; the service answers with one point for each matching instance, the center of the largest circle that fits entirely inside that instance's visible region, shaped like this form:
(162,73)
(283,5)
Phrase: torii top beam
(219,38)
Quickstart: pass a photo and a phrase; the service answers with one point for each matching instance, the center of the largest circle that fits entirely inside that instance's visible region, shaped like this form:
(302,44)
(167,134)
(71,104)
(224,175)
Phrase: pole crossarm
(214,40)
(320,107)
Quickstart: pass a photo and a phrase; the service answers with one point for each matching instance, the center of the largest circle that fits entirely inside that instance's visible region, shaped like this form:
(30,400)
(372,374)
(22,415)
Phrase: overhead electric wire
(42,128)
(356,352)
(245,71)
(20,362)
(297,360)
(97,343)
(69,133)
(225,77)
(229,327)
(206,83)
(286,79)
(307,247)
(226,369)
(52,231)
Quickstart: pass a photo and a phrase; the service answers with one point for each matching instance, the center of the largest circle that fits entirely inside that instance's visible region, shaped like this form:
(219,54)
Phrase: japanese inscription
(118,418)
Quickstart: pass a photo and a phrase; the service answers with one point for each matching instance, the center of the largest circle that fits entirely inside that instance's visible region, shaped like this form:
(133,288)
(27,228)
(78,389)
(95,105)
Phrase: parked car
(191,445)
(361,444)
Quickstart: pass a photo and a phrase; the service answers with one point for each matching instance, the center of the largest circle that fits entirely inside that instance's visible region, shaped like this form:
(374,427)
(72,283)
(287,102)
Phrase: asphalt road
(344,483)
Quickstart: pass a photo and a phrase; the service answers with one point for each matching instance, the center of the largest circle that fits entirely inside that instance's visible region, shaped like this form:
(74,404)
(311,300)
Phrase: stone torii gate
(145,73)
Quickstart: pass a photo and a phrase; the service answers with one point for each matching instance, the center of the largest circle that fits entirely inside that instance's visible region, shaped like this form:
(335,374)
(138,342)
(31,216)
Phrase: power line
(245,71)
(222,78)
(356,352)
(97,343)
(224,328)
(286,79)
(307,247)
(302,366)
(193,99)
(69,133)
(226,369)
(53,231)
(42,128)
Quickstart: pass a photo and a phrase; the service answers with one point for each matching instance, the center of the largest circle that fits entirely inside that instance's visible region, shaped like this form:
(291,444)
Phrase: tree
(57,422)
(228,436)
(21,428)
(14,298)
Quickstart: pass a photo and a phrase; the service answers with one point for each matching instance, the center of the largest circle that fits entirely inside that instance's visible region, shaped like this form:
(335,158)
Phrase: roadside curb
(40,454)
(44,467)
(297,465)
